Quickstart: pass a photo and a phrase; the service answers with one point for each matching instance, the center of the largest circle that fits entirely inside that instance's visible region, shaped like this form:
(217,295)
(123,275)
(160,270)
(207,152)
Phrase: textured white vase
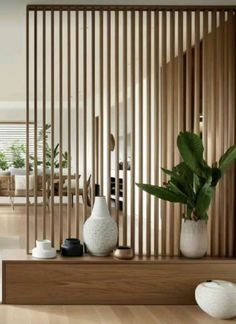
(44,250)
(193,238)
(217,298)
(100,231)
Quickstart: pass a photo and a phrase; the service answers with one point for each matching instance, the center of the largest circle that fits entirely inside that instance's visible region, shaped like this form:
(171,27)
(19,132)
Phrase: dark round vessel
(72,247)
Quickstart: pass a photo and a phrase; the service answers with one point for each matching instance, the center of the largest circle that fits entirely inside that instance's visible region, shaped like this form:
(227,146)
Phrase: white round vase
(193,238)
(217,298)
(44,250)
(100,231)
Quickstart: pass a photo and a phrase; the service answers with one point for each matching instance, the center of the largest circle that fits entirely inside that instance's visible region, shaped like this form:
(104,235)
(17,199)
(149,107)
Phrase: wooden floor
(105,315)
(13,223)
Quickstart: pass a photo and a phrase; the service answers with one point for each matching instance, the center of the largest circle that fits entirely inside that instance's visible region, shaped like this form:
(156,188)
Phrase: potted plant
(48,162)
(18,159)
(4,165)
(192,183)
(48,153)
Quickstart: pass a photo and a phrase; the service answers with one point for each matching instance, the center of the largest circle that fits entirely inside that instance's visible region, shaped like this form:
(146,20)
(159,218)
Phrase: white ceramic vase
(100,231)
(217,298)
(193,238)
(44,250)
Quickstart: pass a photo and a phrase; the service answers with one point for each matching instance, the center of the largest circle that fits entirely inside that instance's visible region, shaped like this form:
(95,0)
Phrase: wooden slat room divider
(141,74)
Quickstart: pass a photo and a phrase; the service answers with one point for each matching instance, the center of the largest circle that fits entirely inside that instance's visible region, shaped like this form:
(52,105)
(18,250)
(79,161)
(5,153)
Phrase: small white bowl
(44,250)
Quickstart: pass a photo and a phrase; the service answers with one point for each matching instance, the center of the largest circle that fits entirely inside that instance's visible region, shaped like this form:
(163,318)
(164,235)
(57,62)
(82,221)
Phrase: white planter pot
(217,298)
(44,250)
(100,231)
(193,238)
(64,171)
(4,172)
(17,171)
(40,170)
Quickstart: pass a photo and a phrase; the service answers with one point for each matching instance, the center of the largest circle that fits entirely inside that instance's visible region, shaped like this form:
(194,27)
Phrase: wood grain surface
(81,282)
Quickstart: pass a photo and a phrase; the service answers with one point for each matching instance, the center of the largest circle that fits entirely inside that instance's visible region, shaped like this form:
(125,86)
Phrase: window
(15,134)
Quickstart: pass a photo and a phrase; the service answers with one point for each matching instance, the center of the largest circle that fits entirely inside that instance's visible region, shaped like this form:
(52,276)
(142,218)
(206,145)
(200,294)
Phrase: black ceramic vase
(72,248)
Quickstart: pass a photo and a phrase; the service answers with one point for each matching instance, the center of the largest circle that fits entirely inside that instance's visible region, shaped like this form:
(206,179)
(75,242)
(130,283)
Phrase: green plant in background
(56,153)
(4,165)
(192,182)
(48,151)
(18,155)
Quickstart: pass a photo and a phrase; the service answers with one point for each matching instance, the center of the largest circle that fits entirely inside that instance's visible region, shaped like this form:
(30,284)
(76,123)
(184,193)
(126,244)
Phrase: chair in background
(18,187)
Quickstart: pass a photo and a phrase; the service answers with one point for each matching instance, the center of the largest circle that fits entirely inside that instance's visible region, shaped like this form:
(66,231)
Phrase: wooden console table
(104,280)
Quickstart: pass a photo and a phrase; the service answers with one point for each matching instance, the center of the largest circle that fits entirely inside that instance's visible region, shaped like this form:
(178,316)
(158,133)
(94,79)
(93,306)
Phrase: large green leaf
(184,170)
(173,185)
(204,199)
(216,175)
(162,193)
(182,178)
(191,150)
(227,158)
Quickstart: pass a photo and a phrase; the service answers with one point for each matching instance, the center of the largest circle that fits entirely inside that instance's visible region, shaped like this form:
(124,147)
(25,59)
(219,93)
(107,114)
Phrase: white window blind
(15,133)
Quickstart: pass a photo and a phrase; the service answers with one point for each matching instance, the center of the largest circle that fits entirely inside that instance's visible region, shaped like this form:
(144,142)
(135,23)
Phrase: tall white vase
(100,231)
(193,238)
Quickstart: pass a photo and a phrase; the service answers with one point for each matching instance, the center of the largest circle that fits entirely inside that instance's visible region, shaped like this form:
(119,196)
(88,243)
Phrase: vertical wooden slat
(101,181)
(204,81)
(170,129)
(210,121)
(85,192)
(231,127)
(220,144)
(77,122)
(234,129)
(27,134)
(60,126)
(197,72)
(93,109)
(108,108)
(148,143)
(215,226)
(44,124)
(205,103)
(132,174)
(180,126)
(189,110)
(52,129)
(35,127)
(69,124)
(125,127)
(117,181)
(226,194)
(180,70)
(156,128)
(140,132)
(217,95)
(163,129)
